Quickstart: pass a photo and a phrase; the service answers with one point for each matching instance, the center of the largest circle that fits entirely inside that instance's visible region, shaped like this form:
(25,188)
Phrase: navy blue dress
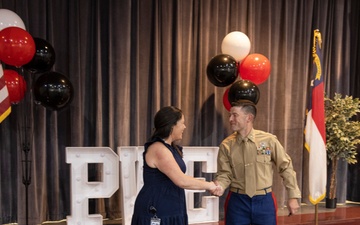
(160,192)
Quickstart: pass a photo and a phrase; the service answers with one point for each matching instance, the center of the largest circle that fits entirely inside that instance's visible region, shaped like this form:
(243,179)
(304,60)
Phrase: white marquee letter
(132,180)
(82,189)
(209,211)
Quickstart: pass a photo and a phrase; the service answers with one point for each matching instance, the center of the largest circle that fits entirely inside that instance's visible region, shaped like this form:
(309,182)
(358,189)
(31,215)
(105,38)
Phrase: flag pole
(316,215)
(315,128)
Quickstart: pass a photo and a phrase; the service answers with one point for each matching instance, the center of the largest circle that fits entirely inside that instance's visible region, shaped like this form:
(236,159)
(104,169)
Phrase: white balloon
(236,44)
(10,19)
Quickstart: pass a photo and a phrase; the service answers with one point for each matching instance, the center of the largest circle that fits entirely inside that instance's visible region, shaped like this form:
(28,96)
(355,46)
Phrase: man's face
(238,119)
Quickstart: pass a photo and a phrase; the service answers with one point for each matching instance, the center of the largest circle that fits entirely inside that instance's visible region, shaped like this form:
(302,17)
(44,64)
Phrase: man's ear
(251,117)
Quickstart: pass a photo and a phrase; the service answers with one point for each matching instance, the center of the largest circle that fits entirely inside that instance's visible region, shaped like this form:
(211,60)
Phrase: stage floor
(345,214)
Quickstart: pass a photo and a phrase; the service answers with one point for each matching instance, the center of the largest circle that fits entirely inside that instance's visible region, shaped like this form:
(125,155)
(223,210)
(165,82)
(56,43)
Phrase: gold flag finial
(317,38)
(316,59)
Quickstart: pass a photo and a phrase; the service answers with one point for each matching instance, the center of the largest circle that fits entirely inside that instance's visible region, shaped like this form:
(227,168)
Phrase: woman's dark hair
(164,120)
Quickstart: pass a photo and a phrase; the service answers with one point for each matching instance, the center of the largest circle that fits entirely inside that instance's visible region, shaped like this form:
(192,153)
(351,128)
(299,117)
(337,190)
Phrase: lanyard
(154,220)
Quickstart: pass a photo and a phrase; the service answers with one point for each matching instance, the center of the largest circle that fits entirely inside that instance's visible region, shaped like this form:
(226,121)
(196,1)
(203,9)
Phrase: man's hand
(219,190)
(293,206)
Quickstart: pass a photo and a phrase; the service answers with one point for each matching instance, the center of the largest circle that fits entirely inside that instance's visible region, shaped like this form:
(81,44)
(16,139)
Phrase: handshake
(216,189)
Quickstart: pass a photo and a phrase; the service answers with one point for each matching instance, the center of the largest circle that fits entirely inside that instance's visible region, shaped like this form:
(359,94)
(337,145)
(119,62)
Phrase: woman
(163,196)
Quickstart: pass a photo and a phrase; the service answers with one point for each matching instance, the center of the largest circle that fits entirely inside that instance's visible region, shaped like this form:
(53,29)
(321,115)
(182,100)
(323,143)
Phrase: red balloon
(255,68)
(226,102)
(16,86)
(17,46)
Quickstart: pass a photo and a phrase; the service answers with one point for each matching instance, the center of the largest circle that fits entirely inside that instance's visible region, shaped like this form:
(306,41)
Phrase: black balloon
(43,59)
(222,70)
(244,89)
(53,91)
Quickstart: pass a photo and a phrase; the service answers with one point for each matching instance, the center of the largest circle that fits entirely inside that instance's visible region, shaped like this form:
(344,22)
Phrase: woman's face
(178,129)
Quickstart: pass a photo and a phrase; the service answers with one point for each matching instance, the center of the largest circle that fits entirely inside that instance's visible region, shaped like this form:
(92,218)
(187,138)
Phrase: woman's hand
(217,190)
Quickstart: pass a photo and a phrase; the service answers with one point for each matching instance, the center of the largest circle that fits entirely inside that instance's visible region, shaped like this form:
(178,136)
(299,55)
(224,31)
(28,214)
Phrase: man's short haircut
(246,105)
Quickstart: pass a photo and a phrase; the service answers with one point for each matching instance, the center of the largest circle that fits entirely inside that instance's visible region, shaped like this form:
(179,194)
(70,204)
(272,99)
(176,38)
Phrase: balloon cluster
(18,48)
(235,61)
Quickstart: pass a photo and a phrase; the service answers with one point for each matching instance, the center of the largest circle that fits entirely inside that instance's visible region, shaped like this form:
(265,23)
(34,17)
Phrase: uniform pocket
(264,168)
(263,159)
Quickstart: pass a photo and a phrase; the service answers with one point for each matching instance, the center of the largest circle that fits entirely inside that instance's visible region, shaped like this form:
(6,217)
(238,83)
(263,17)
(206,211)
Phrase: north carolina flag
(5,105)
(315,136)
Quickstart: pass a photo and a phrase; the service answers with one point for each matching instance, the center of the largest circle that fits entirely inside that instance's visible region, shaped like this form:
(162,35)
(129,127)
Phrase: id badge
(155,221)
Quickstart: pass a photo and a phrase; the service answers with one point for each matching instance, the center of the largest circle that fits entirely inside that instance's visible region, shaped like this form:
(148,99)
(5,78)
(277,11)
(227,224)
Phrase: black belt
(258,192)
